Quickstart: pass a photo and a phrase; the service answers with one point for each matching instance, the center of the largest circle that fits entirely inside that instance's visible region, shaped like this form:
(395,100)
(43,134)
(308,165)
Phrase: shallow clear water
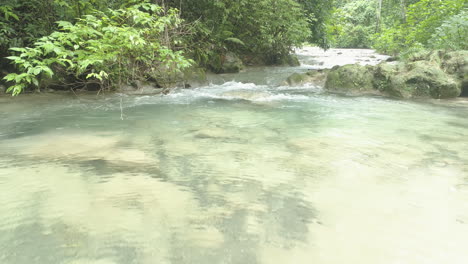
(235,172)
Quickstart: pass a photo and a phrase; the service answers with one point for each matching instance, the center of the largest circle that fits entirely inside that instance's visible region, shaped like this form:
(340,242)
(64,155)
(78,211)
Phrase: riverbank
(355,72)
(433,74)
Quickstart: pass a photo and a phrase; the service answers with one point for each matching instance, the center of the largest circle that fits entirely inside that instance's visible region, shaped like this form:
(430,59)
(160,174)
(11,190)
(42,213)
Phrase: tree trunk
(403,11)
(379,15)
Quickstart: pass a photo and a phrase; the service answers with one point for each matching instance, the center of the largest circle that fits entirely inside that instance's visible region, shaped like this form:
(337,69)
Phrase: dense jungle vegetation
(106,43)
(400,26)
(103,44)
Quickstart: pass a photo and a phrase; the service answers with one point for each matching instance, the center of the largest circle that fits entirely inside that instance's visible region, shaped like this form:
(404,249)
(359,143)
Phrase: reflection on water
(233,173)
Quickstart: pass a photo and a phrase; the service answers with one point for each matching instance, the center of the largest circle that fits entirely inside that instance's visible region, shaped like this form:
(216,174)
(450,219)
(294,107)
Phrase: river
(243,170)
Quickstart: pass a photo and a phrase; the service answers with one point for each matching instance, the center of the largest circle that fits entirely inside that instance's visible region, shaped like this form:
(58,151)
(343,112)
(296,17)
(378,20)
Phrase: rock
(290,60)
(227,63)
(427,74)
(383,77)
(297,79)
(453,63)
(194,76)
(316,77)
(127,88)
(456,64)
(418,79)
(423,79)
(351,79)
(2,89)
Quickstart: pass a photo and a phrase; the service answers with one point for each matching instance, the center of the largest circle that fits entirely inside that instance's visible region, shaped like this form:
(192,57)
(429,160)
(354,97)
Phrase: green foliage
(106,48)
(452,34)
(399,26)
(23,22)
(264,29)
(423,27)
(7,17)
(413,53)
(353,25)
(319,15)
(92,45)
(273,34)
(425,16)
(390,41)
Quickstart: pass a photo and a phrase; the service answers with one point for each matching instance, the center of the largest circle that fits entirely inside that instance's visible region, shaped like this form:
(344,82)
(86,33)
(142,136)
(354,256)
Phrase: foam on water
(230,91)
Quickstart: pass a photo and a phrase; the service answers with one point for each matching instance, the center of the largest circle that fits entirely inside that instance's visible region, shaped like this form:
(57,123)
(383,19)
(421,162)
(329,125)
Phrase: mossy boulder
(226,63)
(453,63)
(315,77)
(456,64)
(297,79)
(422,79)
(351,79)
(194,76)
(289,59)
(418,79)
(383,78)
(435,74)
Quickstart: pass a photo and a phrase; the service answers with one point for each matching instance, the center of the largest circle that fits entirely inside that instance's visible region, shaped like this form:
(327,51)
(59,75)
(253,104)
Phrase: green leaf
(36,82)
(10,77)
(13,58)
(18,49)
(37,71)
(235,40)
(64,24)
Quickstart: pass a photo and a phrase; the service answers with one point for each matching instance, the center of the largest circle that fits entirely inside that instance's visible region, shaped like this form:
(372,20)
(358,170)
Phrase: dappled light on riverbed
(234,172)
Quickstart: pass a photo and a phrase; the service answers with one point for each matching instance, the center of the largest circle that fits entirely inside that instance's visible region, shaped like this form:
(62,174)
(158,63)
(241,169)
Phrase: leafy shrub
(264,29)
(423,26)
(354,24)
(106,48)
(425,16)
(452,34)
(390,41)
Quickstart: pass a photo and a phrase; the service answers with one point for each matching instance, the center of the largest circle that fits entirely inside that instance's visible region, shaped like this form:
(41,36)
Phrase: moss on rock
(226,63)
(435,75)
(351,79)
(315,77)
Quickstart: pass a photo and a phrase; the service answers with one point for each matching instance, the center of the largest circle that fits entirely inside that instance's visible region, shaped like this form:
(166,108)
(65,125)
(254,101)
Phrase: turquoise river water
(243,170)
